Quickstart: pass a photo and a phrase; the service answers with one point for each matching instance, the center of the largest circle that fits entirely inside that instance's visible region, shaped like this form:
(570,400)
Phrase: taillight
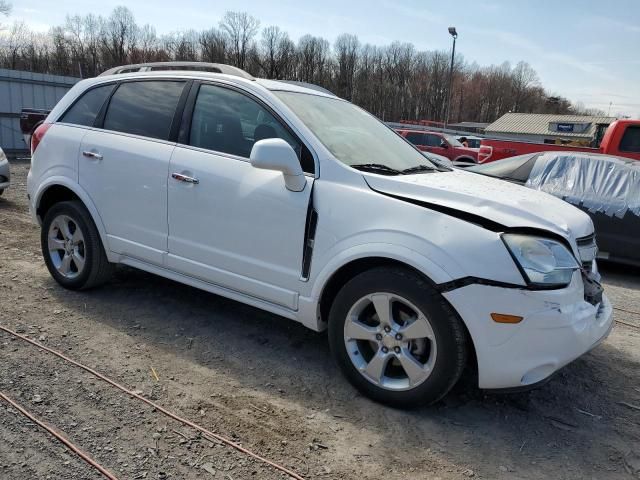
(484,153)
(38,135)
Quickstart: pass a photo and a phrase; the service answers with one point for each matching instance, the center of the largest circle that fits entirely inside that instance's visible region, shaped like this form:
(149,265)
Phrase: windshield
(453,141)
(352,135)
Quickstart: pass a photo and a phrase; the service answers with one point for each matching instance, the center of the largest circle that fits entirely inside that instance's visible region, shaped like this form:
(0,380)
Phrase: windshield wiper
(377,168)
(419,169)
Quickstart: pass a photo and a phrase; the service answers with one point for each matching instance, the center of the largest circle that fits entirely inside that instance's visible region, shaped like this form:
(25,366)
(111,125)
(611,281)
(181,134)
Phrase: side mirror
(276,154)
(444,144)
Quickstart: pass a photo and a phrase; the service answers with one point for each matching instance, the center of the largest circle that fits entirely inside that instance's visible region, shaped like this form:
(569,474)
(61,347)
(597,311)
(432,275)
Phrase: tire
(75,259)
(1,191)
(431,337)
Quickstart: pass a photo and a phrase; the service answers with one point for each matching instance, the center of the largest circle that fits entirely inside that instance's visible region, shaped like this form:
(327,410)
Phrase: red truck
(622,139)
(441,144)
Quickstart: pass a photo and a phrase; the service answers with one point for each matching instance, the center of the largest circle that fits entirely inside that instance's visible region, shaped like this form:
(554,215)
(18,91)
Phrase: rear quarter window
(86,108)
(144,108)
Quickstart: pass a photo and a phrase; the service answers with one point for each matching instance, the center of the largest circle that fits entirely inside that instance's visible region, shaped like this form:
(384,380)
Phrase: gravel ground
(271,385)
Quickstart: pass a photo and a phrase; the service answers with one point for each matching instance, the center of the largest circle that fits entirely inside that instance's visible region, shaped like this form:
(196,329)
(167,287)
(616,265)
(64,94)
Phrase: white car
(297,202)
(5,172)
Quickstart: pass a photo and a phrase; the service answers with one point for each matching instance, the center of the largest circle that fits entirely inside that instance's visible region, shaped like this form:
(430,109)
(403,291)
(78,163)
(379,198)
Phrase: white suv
(287,198)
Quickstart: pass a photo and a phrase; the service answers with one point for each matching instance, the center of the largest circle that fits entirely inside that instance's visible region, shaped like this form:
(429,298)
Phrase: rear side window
(85,110)
(630,140)
(415,138)
(227,121)
(144,108)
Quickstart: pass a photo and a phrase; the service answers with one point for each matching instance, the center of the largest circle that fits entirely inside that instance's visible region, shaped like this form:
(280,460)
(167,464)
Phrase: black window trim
(187,115)
(174,127)
(82,94)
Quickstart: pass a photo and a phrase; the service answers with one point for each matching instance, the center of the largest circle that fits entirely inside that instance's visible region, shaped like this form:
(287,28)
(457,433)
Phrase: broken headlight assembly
(544,263)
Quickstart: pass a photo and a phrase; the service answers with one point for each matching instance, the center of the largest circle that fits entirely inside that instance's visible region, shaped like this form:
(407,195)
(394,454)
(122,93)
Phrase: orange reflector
(504,318)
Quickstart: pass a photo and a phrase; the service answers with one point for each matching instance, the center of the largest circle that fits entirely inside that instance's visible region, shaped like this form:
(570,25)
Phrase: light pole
(454,34)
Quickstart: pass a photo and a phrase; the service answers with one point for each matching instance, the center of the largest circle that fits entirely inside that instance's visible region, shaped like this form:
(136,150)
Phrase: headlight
(543,262)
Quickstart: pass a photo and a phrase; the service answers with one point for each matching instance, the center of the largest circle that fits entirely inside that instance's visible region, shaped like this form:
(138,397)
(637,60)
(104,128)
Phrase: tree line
(394,82)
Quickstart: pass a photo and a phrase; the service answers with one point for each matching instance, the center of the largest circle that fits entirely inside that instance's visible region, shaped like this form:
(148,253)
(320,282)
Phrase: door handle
(93,155)
(185,178)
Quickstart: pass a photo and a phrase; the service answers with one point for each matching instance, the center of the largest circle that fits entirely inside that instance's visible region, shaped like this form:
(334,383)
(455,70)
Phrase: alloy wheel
(66,246)
(390,341)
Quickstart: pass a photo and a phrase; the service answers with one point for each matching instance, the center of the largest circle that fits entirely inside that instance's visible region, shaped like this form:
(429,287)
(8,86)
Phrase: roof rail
(311,86)
(193,66)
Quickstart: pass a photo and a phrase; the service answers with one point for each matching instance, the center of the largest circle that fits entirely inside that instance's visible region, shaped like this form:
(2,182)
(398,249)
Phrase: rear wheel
(72,248)
(396,339)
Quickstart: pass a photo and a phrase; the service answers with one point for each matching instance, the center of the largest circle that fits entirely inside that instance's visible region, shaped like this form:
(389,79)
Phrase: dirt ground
(271,385)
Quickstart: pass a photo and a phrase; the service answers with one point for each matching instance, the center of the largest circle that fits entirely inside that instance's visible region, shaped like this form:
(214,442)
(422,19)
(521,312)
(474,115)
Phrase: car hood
(498,201)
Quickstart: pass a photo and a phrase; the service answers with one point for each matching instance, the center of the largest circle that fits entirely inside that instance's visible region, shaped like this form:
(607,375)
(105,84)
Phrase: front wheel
(72,248)
(396,339)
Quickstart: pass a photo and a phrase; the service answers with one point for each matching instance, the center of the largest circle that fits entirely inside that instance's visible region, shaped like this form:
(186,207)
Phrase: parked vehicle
(299,203)
(30,118)
(606,188)
(5,173)
(622,139)
(440,144)
(472,142)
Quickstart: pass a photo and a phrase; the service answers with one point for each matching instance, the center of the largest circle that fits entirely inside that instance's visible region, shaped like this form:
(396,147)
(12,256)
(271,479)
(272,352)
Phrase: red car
(441,144)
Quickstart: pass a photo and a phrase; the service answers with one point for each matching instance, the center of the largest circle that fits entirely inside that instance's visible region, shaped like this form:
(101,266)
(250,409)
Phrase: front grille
(588,250)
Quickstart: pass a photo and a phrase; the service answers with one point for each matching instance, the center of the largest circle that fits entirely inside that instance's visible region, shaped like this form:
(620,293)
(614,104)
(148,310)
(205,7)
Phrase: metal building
(26,90)
(550,128)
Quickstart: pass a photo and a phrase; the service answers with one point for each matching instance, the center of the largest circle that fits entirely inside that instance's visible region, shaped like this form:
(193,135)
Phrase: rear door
(232,224)
(417,138)
(123,165)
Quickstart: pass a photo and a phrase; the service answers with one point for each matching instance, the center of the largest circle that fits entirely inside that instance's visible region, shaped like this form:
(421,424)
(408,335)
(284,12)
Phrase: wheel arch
(465,158)
(61,189)
(352,268)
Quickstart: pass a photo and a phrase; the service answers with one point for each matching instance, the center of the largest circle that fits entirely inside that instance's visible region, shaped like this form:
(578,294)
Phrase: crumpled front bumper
(558,326)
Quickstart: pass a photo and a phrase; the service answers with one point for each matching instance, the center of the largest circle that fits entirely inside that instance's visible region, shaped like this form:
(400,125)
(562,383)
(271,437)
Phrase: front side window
(144,108)
(352,135)
(85,110)
(228,121)
(631,140)
(453,141)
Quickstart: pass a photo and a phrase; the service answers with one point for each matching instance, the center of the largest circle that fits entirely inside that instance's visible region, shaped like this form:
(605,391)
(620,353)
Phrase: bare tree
(240,28)
(213,44)
(119,36)
(395,82)
(346,48)
(14,42)
(523,77)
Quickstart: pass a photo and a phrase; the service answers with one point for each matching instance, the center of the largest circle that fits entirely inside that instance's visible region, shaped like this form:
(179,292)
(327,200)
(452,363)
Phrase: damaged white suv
(287,198)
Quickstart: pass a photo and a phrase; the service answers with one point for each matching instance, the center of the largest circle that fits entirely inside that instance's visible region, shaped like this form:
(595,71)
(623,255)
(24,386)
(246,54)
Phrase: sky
(587,50)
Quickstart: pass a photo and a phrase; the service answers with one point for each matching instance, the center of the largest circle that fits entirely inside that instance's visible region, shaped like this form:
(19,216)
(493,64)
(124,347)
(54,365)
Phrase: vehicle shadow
(573,421)
(627,276)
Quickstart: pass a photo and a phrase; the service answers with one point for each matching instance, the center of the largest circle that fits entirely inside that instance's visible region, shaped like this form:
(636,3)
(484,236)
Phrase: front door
(229,223)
